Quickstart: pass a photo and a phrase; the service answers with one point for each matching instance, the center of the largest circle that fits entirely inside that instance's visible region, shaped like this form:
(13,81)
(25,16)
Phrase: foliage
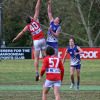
(15,12)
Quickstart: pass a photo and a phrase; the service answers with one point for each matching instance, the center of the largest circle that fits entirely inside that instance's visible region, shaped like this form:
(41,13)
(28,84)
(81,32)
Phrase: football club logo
(70,52)
(54,28)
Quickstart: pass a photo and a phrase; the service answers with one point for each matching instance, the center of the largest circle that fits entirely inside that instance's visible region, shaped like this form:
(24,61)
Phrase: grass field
(17,81)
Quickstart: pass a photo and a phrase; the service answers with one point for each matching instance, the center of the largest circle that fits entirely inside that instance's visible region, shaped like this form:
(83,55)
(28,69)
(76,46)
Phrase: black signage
(16,53)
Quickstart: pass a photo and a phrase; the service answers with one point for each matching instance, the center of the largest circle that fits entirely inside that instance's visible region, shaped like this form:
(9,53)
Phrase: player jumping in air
(35,29)
(74,52)
(54,30)
(54,73)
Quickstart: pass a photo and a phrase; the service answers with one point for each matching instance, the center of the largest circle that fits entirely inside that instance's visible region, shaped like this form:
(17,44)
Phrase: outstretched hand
(50,29)
(50,2)
(40,77)
(14,40)
(75,54)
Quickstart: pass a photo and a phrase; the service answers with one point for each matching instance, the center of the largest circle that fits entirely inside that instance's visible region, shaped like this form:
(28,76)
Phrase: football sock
(36,73)
(73,82)
(78,83)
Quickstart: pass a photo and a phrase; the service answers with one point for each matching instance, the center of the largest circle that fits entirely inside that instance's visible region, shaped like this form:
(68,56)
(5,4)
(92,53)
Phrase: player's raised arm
(49,11)
(37,11)
(20,34)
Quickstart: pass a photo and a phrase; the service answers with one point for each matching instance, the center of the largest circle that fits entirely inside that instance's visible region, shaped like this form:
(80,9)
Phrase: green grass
(37,95)
(22,73)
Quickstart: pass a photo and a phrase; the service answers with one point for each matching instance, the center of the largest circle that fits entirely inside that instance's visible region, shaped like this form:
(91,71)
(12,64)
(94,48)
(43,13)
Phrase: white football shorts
(39,44)
(49,83)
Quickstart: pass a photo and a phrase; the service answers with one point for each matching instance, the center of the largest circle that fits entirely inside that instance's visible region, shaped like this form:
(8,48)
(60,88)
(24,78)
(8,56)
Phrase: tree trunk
(90,36)
(87,27)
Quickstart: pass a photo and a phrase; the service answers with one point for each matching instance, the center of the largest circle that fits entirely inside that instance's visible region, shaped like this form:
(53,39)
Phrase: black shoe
(37,78)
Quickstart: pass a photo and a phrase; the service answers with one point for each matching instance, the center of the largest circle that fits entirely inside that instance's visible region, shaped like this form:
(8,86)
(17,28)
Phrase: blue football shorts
(54,45)
(76,66)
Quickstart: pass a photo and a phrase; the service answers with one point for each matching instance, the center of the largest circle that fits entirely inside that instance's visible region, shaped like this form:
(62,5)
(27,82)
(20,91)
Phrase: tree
(88,24)
(80,19)
(14,15)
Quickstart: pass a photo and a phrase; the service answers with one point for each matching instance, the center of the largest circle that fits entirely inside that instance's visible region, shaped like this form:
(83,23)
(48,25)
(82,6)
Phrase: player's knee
(45,92)
(56,92)
(71,74)
(78,75)
(37,58)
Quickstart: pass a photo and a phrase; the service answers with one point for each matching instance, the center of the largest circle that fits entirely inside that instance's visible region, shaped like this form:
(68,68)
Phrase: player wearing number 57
(54,73)
(35,29)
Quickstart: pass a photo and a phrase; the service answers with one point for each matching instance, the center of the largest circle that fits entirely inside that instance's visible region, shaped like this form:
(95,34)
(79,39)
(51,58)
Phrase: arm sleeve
(61,69)
(43,67)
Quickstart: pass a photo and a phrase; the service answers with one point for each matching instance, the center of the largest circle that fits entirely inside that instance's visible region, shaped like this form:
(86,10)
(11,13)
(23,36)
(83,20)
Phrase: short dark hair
(28,19)
(50,50)
(60,20)
(72,39)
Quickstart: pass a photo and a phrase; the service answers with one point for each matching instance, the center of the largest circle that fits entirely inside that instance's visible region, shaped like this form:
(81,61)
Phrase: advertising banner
(16,53)
(89,53)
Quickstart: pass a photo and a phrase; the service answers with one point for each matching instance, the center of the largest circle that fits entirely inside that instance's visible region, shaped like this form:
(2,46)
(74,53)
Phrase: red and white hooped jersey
(35,30)
(53,67)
